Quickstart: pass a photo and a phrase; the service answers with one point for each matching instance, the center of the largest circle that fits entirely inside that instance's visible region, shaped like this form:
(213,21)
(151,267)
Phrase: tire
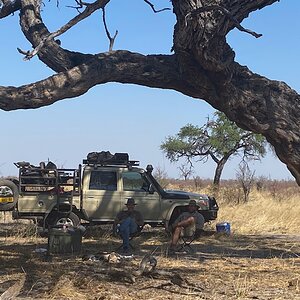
(9,191)
(70,219)
(175,214)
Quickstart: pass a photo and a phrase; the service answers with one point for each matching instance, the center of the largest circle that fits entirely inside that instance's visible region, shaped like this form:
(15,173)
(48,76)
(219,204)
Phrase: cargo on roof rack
(105,158)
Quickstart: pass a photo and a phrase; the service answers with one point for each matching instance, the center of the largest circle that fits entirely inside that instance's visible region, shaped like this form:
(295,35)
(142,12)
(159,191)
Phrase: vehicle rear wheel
(9,195)
(71,219)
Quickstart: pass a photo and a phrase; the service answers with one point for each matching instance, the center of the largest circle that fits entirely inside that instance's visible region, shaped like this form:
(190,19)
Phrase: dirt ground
(220,267)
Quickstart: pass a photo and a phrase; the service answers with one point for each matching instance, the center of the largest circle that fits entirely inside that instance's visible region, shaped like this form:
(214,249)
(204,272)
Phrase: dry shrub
(230,195)
(65,289)
(242,286)
(25,231)
(98,231)
(6,217)
(17,228)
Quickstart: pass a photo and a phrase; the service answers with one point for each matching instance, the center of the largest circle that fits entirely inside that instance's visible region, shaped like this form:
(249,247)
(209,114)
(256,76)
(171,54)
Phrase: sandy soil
(220,267)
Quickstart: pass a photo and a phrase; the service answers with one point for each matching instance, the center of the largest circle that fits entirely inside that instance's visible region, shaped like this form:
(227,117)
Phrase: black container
(64,241)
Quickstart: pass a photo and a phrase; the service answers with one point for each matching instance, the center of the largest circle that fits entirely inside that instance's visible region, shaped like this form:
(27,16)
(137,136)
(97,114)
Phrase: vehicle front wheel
(71,219)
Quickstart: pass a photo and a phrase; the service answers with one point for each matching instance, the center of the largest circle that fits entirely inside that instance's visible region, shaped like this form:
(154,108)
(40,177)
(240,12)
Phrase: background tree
(185,171)
(202,66)
(161,176)
(219,139)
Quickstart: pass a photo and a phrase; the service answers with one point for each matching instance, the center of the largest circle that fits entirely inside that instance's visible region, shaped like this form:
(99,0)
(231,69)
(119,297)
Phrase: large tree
(218,139)
(202,66)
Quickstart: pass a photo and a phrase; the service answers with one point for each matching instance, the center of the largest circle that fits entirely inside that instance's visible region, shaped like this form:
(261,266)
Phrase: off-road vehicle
(94,192)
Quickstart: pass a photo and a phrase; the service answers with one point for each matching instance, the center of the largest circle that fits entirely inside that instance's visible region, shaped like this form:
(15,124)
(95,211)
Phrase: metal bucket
(64,240)
(223,227)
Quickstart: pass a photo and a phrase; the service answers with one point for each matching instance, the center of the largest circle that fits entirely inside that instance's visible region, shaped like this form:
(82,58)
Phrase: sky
(130,118)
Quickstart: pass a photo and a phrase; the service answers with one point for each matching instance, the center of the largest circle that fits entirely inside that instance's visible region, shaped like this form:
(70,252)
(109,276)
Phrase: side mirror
(151,189)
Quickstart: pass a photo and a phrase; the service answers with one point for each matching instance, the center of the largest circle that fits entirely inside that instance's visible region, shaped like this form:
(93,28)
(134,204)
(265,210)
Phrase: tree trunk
(218,172)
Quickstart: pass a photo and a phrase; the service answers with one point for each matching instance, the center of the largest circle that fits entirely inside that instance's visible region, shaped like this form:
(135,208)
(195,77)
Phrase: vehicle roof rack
(105,158)
(129,163)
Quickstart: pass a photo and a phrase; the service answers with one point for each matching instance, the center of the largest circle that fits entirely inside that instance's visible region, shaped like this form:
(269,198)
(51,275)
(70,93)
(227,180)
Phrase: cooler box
(64,240)
(223,227)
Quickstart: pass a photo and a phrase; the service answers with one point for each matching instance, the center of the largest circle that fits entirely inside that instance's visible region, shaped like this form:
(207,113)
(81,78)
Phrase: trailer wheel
(9,195)
(71,219)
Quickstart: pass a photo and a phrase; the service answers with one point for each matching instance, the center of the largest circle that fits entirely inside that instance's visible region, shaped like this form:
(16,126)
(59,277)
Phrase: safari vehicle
(94,192)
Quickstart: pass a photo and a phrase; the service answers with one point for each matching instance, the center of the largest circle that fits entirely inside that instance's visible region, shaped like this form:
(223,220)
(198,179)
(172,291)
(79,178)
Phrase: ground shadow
(19,254)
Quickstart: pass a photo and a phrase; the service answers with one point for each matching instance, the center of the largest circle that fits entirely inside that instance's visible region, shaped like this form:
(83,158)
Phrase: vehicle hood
(173,194)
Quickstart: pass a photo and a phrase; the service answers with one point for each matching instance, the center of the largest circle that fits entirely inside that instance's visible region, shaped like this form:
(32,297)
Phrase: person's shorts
(189,231)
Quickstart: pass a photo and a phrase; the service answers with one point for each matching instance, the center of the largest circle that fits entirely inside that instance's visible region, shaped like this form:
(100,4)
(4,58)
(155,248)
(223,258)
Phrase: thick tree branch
(9,7)
(242,8)
(119,66)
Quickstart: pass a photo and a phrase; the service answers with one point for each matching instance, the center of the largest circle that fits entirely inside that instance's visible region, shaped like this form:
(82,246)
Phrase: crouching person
(128,222)
(187,224)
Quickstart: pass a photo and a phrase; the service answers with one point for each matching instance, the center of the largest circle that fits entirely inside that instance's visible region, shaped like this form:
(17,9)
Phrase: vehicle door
(136,186)
(101,197)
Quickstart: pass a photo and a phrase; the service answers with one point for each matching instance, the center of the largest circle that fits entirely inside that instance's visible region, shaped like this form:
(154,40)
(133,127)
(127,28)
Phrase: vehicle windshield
(155,183)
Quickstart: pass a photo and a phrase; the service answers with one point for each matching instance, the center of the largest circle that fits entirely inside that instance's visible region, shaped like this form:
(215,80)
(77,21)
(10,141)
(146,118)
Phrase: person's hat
(130,201)
(193,202)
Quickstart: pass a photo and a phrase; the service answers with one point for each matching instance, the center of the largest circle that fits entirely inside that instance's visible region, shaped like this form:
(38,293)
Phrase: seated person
(127,222)
(188,223)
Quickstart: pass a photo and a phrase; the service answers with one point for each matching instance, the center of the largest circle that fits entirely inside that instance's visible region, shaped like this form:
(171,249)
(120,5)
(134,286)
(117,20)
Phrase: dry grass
(259,260)
(263,215)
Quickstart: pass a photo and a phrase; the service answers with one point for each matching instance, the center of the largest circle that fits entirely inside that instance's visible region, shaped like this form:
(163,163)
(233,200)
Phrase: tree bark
(202,67)
(218,172)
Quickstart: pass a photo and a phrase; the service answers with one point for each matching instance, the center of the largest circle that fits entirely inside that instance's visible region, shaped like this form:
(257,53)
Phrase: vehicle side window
(133,181)
(101,180)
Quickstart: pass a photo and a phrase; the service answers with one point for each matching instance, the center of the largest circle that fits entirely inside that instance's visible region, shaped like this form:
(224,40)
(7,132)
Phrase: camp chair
(185,241)
(131,237)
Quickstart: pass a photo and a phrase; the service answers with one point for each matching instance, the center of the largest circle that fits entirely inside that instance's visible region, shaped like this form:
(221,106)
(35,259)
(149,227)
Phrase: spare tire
(9,195)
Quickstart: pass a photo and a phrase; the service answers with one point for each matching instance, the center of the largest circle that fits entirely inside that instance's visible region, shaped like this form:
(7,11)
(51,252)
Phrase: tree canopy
(219,139)
(202,65)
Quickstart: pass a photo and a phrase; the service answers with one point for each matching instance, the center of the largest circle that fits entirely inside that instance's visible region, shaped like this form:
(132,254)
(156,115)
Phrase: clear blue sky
(128,118)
